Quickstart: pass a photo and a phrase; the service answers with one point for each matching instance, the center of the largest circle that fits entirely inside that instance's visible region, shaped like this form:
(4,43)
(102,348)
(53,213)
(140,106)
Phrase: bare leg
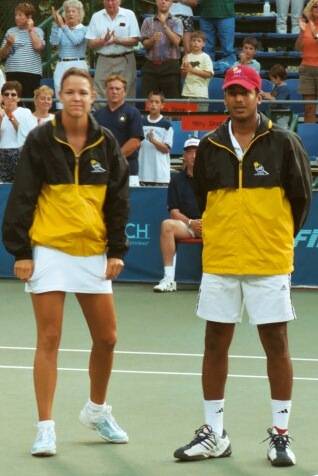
(218,337)
(171,230)
(279,367)
(100,316)
(48,309)
(310,109)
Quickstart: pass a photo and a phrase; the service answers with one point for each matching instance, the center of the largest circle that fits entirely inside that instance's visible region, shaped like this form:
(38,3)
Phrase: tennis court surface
(155,390)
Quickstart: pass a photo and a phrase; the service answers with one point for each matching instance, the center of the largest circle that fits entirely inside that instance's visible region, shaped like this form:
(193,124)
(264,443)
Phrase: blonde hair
(43,90)
(75,4)
(308,8)
(116,77)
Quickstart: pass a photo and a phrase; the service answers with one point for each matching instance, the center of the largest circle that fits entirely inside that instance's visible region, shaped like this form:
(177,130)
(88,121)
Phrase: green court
(155,390)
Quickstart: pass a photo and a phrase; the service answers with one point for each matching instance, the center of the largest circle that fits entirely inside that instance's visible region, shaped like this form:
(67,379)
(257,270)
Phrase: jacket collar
(94,129)
(222,136)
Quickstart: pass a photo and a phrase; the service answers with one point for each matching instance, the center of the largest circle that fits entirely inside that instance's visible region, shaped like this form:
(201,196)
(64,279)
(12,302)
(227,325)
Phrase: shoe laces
(45,434)
(203,433)
(279,441)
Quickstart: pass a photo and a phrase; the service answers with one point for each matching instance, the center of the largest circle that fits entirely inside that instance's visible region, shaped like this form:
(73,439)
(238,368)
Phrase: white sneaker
(104,423)
(279,452)
(166,285)
(205,444)
(45,442)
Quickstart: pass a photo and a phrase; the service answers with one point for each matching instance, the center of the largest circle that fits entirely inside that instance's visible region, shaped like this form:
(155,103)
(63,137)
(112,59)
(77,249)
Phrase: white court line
(163,354)
(150,372)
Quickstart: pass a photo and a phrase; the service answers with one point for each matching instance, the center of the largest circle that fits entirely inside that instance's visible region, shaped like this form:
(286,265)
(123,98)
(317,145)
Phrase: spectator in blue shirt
(68,35)
(124,121)
(277,74)
(185,217)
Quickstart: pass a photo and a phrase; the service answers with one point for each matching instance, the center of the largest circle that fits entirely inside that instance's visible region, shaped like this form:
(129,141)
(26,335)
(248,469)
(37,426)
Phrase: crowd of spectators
(179,61)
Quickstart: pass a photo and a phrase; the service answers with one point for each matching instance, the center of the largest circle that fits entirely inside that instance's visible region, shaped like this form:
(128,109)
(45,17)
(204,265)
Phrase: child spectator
(183,10)
(198,70)
(247,55)
(154,157)
(277,74)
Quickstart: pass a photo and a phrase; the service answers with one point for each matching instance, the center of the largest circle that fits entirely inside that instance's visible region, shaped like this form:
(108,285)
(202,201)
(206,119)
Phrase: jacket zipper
(245,152)
(78,156)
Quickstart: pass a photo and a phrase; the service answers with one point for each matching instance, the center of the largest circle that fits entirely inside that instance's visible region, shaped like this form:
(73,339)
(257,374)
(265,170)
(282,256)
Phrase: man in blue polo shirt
(124,121)
(185,217)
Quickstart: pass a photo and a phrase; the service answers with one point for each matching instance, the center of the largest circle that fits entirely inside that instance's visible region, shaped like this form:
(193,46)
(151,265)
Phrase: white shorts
(266,298)
(58,271)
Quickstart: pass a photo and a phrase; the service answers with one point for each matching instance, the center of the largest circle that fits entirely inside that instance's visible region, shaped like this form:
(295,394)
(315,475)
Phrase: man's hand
(23,269)
(114,267)
(196,226)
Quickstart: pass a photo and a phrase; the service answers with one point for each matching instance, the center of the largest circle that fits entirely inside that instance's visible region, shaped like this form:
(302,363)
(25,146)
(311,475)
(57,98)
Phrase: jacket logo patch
(259,169)
(96,167)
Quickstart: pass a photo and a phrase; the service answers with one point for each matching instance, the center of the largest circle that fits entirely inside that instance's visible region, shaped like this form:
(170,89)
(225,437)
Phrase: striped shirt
(71,42)
(23,58)
(164,49)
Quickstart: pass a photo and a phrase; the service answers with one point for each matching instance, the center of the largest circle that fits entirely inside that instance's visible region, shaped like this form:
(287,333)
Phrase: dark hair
(277,71)
(27,8)
(8,85)
(116,77)
(77,72)
(250,40)
(198,34)
(156,92)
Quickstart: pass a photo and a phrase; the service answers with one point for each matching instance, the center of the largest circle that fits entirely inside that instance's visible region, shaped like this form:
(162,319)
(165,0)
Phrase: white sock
(169,272)
(46,424)
(213,414)
(281,411)
(95,407)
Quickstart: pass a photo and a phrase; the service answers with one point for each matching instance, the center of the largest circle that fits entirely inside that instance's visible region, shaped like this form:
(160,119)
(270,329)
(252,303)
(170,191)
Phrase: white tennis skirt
(58,271)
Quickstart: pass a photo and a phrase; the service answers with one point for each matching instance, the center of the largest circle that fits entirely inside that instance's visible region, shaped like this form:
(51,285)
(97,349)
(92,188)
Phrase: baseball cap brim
(240,82)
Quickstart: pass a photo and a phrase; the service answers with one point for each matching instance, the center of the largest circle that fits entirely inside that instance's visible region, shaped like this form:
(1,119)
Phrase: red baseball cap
(244,76)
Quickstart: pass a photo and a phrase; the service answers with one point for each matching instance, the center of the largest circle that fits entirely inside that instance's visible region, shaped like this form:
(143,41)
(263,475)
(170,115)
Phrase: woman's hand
(114,267)
(23,269)
(10,40)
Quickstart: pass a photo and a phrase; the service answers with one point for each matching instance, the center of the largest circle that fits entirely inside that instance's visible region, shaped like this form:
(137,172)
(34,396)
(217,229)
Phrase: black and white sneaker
(279,452)
(205,444)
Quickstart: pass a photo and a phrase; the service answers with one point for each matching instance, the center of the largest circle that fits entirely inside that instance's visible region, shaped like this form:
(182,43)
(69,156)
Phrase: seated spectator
(197,68)
(124,121)
(68,35)
(185,217)
(154,152)
(277,74)
(247,55)
(282,7)
(217,21)
(43,100)
(21,48)
(183,10)
(15,124)
(161,36)
(113,32)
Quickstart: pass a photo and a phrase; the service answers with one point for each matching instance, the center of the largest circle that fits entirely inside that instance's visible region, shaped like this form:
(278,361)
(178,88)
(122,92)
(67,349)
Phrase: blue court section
(143,261)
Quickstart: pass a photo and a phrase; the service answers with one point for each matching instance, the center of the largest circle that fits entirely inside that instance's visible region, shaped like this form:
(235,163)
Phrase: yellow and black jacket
(76,203)
(253,207)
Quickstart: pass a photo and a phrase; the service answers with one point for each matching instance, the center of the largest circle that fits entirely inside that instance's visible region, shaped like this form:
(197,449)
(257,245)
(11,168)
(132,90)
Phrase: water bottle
(266,8)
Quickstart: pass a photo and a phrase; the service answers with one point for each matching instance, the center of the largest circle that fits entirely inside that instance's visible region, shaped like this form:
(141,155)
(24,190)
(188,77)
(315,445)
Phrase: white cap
(192,142)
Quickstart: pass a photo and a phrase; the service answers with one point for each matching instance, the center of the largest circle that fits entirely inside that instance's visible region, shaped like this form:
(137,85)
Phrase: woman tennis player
(65,225)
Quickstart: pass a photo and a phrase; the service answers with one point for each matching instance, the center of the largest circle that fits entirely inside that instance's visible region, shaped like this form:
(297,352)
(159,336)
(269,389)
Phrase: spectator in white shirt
(15,124)
(113,32)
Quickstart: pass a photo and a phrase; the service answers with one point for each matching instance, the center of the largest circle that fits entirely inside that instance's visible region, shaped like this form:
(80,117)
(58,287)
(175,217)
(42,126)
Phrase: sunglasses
(6,94)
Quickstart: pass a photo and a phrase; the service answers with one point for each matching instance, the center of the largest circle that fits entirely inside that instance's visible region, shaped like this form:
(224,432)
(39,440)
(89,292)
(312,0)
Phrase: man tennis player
(253,182)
